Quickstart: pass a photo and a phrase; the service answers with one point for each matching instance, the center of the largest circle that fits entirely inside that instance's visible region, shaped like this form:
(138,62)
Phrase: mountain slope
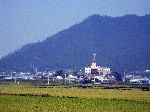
(120,43)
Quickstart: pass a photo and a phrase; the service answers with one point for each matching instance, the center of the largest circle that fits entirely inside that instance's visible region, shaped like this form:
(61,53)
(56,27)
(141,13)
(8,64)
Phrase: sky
(28,21)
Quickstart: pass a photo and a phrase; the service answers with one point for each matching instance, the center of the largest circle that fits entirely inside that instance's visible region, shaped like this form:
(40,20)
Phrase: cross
(94,55)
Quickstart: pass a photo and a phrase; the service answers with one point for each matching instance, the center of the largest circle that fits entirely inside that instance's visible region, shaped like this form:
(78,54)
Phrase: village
(92,74)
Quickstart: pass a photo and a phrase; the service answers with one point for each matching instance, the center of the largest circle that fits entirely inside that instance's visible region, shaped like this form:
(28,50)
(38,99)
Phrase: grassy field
(59,99)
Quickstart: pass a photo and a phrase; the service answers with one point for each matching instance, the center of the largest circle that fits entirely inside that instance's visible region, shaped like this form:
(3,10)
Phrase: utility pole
(69,78)
(48,80)
(15,79)
(65,78)
(124,75)
(94,78)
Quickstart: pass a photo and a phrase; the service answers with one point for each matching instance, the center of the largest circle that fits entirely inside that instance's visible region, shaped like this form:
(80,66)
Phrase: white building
(96,69)
(87,70)
(103,70)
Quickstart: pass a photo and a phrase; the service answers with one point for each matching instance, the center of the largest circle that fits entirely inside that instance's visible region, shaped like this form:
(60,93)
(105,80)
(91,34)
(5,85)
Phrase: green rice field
(73,99)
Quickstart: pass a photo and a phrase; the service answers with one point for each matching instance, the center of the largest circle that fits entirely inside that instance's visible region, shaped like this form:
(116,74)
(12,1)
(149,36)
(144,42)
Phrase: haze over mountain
(119,42)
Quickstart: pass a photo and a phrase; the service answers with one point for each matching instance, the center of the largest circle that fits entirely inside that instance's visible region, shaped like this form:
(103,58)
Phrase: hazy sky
(26,21)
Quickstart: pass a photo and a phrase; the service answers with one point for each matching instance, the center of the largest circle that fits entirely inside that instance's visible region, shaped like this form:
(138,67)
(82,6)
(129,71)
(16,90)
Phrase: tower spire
(94,55)
(94,60)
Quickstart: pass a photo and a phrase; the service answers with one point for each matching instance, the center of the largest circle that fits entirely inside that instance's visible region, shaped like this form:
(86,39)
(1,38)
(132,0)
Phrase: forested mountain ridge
(119,42)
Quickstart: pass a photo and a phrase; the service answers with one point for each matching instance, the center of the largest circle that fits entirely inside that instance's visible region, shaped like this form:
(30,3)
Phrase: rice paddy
(73,99)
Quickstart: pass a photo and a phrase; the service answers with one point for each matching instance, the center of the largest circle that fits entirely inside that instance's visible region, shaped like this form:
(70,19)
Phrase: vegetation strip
(43,95)
(46,95)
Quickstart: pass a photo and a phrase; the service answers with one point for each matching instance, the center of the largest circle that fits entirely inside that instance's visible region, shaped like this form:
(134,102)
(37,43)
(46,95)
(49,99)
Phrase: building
(97,70)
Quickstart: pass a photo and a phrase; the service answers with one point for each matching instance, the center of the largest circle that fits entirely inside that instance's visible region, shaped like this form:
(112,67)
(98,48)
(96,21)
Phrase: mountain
(119,42)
